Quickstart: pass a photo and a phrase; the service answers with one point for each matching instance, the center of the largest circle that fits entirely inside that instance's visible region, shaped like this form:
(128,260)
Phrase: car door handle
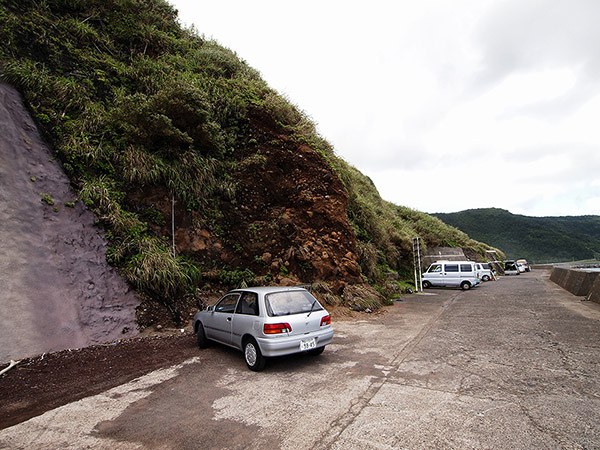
(229,319)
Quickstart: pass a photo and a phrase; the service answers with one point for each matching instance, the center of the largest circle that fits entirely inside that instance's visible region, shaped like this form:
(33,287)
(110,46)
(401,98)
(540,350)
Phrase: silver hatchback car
(265,322)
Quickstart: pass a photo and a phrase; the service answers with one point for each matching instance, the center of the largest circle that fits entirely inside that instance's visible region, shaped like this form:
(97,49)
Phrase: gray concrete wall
(578,282)
(443,254)
(595,292)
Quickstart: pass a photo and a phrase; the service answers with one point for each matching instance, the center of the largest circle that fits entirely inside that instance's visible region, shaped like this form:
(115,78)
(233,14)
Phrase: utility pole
(417,263)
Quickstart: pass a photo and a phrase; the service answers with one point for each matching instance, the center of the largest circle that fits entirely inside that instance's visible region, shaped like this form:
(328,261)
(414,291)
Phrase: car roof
(269,289)
(455,262)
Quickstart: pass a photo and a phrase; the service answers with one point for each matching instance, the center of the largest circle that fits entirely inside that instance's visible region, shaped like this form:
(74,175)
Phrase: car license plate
(307,344)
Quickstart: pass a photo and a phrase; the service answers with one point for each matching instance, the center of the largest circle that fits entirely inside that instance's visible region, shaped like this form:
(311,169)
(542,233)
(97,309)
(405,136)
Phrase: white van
(452,273)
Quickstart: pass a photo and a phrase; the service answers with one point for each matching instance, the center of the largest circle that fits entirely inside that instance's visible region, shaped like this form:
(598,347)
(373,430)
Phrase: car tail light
(275,328)
(326,320)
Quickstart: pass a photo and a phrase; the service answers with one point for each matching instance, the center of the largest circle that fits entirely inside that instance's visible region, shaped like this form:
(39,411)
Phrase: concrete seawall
(578,282)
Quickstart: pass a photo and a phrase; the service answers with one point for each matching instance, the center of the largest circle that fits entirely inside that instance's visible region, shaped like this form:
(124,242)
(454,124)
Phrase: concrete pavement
(510,364)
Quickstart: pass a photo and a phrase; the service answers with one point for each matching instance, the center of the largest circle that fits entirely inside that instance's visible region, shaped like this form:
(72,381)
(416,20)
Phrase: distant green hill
(538,239)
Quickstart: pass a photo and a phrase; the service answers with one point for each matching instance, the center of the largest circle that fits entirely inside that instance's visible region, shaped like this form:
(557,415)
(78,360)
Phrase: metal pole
(415,246)
(173,222)
(419,261)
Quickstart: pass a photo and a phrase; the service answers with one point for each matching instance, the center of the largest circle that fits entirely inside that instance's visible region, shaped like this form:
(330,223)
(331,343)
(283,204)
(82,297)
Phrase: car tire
(203,341)
(426,284)
(253,356)
(486,278)
(316,351)
(465,285)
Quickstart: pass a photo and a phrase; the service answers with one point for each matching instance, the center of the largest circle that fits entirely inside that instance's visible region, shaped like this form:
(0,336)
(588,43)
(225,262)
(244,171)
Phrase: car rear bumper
(286,345)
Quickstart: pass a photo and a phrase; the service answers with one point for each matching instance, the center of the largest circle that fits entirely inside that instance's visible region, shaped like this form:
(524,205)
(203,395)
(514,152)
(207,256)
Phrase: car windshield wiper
(311,308)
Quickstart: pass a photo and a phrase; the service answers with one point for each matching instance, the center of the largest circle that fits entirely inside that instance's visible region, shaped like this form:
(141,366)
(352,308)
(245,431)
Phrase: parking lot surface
(510,364)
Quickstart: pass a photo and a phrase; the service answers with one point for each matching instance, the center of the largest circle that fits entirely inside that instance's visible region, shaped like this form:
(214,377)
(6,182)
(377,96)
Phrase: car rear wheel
(316,351)
(426,284)
(486,278)
(465,285)
(254,358)
(203,342)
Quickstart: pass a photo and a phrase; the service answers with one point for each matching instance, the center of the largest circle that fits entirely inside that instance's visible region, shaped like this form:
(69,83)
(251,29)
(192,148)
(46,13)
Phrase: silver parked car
(265,322)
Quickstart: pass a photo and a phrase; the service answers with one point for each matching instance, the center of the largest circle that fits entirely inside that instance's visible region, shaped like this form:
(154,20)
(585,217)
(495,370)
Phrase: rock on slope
(56,289)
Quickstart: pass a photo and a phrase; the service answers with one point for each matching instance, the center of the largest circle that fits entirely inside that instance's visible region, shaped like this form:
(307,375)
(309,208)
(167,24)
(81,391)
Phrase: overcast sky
(445,105)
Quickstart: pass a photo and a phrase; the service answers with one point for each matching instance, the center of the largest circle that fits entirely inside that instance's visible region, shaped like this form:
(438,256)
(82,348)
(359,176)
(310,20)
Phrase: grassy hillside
(145,116)
(538,239)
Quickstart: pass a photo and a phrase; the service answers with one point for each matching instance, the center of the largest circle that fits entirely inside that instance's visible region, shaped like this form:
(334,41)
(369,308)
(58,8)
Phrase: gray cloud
(518,36)
(410,92)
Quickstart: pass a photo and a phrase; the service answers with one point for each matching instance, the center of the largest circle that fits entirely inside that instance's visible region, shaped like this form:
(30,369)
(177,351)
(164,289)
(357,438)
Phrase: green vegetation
(130,101)
(47,199)
(384,231)
(537,239)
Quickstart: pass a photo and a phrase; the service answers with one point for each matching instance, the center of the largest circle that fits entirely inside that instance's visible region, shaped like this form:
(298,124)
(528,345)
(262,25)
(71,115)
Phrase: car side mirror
(210,308)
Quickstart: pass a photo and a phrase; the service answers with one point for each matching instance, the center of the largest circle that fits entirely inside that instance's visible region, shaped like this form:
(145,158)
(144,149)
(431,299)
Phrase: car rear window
(291,302)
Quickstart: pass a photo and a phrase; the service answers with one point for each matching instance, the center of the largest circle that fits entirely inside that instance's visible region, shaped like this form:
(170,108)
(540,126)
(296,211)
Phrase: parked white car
(484,272)
(265,322)
(452,273)
(525,264)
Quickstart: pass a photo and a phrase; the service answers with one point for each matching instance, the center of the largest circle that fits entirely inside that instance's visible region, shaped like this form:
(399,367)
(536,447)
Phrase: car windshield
(435,268)
(291,302)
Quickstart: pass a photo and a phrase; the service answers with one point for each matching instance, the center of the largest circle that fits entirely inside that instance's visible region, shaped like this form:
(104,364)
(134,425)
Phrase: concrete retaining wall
(595,293)
(443,253)
(578,282)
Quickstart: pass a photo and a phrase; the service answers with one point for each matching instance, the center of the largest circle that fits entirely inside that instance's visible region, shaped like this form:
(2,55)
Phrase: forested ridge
(538,239)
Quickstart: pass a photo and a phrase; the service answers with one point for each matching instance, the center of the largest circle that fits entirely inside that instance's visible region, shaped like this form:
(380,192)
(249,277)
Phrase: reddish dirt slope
(288,220)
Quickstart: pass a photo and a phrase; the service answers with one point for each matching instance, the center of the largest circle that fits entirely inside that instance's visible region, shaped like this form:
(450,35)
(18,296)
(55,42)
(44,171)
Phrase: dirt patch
(36,385)
(57,289)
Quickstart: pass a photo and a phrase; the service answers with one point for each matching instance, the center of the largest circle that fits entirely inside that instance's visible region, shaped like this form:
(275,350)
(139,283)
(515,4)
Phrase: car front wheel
(203,342)
(426,284)
(254,358)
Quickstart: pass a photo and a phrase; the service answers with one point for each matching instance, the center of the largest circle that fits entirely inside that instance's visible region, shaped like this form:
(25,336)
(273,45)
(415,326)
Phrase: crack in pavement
(343,422)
